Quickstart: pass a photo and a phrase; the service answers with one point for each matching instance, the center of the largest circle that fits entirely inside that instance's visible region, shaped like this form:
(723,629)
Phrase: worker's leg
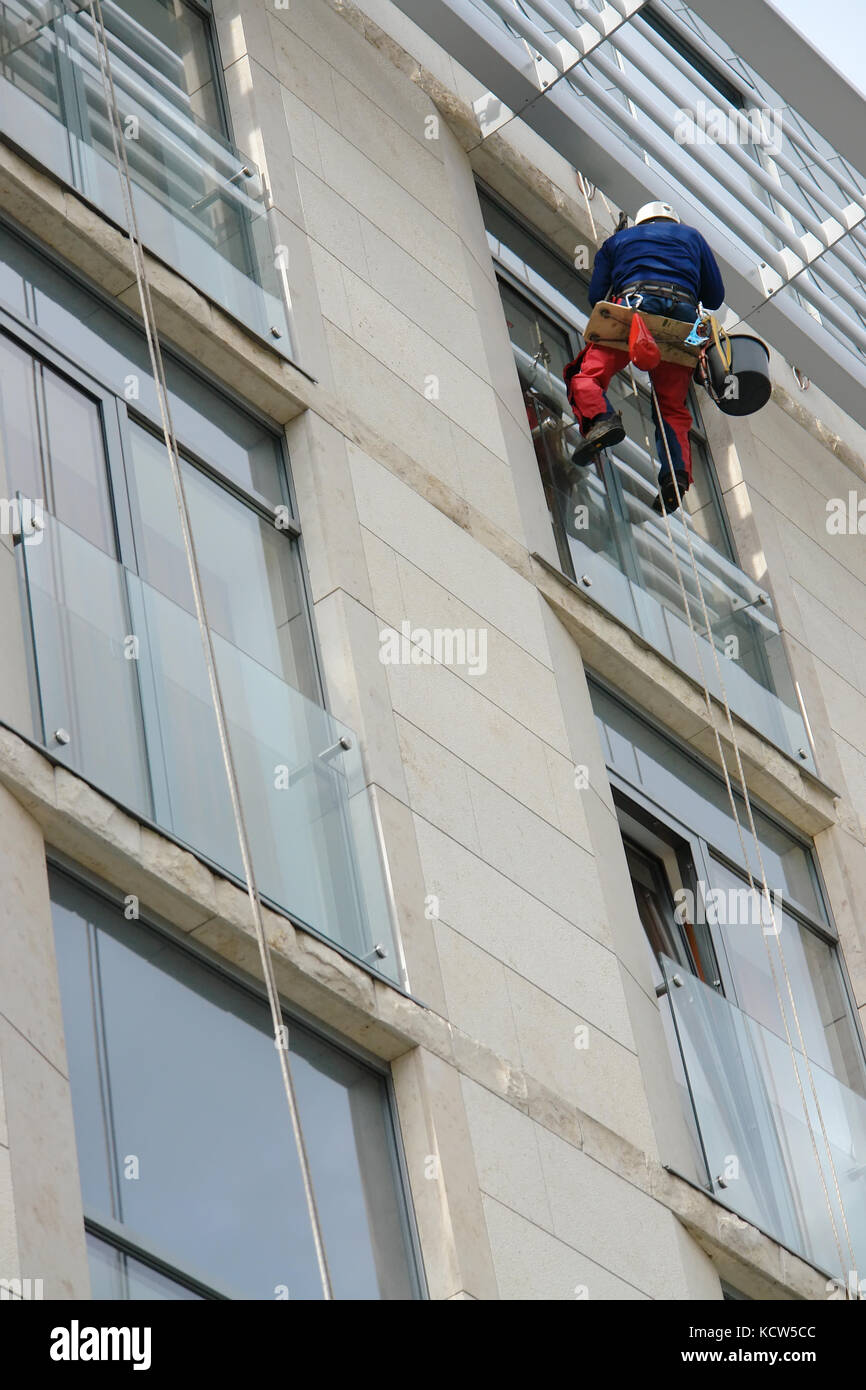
(671,381)
(590,382)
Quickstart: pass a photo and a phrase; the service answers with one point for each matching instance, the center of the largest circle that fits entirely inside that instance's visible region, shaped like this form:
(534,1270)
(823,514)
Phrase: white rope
(158,369)
(581,183)
(754,833)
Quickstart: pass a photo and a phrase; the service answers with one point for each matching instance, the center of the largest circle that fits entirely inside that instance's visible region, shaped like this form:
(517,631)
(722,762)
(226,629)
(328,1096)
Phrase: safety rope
(754,833)
(158,368)
(727,352)
(581,183)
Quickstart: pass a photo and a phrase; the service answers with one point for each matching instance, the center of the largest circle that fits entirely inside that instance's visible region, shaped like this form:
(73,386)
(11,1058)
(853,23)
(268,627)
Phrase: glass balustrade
(607,531)
(124,699)
(751,1094)
(199,202)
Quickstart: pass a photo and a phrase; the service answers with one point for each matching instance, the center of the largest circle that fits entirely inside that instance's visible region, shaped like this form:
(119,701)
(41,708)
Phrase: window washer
(660,267)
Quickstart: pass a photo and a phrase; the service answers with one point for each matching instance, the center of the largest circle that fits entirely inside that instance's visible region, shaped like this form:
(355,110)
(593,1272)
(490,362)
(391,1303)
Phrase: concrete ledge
(742,1254)
(677,702)
(171,881)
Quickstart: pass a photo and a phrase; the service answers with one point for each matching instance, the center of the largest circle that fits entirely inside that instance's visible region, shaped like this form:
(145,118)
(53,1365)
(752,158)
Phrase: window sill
(676,701)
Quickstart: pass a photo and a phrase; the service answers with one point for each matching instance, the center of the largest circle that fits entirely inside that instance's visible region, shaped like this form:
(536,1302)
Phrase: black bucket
(745,386)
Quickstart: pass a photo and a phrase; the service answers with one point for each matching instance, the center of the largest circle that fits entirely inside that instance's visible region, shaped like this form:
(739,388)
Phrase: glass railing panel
(90,707)
(121,668)
(21,21)
(583,521)
(608,533)
(751,1094)
(200,203)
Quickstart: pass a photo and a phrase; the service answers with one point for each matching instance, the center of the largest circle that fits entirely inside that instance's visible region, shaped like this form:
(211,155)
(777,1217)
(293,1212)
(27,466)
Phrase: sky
(837,28)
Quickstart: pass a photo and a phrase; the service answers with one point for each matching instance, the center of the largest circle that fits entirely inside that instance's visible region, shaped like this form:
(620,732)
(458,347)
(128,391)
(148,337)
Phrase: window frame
(574,333)
(118,1237)
(115,415)
(72,86)
(18,317)
(704,850)
(204,8)
(115,1233)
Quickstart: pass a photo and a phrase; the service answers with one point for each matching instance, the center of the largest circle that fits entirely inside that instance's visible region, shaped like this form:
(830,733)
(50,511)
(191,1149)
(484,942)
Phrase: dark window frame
(725,85)
(704,850)
(698,431)
(43,347)
(57,862)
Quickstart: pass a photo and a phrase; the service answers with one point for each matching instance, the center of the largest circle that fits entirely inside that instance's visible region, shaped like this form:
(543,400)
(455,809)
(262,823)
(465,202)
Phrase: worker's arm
(601,274)
(712,285)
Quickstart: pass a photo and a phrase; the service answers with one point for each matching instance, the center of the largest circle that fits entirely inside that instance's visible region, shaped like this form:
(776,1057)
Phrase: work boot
(667,500)
(603,433)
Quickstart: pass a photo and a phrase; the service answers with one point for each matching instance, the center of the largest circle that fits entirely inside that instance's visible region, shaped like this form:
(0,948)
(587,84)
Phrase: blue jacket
(660,251)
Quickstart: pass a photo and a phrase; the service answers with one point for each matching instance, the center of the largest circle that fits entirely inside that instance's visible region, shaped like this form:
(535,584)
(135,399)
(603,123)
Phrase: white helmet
(650,211)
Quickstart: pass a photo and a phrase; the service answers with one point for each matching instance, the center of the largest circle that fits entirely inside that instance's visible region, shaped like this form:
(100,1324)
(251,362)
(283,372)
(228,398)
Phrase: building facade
(557,812)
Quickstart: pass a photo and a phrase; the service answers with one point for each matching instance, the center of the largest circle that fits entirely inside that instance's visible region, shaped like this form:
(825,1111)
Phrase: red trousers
(589,382)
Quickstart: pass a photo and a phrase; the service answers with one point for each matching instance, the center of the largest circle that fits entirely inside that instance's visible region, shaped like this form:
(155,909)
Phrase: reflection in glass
(200,204)
(814,972)
(115,1274)
(249,569)
(53,444)
(752,1095)
(675,779)
(122,670)
(173,1063)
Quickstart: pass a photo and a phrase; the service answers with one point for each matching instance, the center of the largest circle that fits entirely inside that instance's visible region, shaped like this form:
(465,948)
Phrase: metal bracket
(327,755)
(378,950)
(676,980)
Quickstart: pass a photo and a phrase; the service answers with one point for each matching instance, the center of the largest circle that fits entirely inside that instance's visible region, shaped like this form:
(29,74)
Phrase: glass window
(669,931)
(675,835)
(536,274)
(53,445)
(109,619)
(115,1274)
(825,1018)
(22,455)
(168,40)
(764,1043)
(114,351)
(183,1133)
(674,779)
(200,203)
(655,582)
(177,42)
(249,569)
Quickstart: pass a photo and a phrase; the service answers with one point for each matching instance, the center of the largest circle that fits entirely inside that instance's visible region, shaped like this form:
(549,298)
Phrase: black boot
(667,500)
(602,434)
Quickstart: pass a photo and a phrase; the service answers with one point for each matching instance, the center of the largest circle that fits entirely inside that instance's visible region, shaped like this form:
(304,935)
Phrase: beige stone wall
(476,771)
(419,500)
(535,934)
